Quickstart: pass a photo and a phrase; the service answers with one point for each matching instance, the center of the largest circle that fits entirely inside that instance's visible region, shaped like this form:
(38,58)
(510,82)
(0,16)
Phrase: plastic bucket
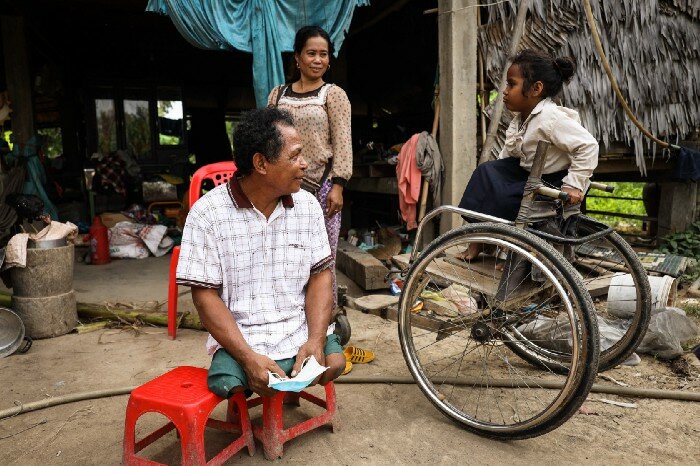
(622,295)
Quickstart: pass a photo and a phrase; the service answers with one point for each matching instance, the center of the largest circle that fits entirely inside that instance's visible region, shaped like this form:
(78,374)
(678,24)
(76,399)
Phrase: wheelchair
(516,351)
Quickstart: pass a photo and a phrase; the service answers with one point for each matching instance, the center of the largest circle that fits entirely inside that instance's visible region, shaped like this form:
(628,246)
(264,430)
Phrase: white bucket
(622,295)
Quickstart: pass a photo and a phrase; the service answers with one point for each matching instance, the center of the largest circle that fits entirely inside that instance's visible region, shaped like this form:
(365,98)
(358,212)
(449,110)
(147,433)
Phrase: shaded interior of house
(106,77)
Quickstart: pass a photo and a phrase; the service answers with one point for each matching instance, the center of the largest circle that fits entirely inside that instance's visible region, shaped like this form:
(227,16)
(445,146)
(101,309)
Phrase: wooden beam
(361,267)
(17,75)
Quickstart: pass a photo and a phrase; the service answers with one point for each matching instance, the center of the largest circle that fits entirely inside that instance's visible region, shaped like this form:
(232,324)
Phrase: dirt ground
(380,424)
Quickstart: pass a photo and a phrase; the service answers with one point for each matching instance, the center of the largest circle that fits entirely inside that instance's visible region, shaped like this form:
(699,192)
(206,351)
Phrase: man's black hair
(258,132)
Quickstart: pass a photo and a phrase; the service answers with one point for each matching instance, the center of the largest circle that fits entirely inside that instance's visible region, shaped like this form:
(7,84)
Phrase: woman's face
(313,59)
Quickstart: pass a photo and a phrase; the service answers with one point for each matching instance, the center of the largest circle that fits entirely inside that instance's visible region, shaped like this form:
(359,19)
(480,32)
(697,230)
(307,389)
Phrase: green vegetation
(165,140)
(138,128)
(623,206)
(170,111)
(51,142)
(7,136)
(685,243)
(691,309)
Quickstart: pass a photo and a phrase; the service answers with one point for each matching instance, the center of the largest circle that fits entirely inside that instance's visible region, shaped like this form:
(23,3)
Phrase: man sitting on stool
(256,255)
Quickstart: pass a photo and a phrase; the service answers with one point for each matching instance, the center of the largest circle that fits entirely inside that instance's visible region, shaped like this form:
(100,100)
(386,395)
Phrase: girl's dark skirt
(496,187)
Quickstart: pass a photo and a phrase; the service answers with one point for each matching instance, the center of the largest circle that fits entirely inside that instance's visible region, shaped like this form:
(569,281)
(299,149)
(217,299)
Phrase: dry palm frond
(652,47)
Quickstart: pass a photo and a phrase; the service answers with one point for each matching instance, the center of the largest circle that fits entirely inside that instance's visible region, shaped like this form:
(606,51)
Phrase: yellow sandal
(358,355)
(348,367)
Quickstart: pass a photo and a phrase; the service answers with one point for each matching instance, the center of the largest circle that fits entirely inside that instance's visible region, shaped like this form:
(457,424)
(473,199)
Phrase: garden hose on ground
(597,388)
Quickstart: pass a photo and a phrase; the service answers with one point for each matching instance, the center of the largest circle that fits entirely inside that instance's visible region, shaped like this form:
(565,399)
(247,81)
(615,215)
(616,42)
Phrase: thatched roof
(653,47)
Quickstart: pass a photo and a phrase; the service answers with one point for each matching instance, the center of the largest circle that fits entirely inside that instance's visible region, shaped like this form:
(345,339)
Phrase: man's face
(286,173)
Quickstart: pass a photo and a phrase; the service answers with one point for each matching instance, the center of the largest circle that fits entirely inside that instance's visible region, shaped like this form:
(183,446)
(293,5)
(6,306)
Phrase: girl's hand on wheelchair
(575,195)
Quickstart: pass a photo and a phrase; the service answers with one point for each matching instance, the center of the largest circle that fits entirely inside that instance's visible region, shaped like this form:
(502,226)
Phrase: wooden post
(425,186)
(457,44)
(482,88)
(17,75)
(677,207)
(498,106)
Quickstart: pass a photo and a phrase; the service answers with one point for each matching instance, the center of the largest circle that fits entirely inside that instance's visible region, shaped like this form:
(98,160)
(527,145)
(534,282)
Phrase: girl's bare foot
(471,253)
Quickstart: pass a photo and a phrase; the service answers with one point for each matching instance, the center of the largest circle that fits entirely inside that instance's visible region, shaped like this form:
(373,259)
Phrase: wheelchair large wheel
(617,257)
(596,262)
(456,315)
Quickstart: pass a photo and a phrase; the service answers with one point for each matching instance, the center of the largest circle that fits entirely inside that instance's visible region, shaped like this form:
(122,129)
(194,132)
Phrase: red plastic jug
(99,243)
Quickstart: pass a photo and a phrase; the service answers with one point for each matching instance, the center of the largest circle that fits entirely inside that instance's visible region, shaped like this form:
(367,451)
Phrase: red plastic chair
(218,173)
(183,397)
(273,434)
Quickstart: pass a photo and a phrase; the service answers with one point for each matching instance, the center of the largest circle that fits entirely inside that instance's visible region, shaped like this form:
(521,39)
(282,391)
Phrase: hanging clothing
(687,165)
(261,27)
(429,162)
(409,177)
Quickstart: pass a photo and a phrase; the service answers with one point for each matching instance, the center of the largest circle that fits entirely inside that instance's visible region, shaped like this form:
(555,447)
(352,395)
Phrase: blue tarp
(265,28)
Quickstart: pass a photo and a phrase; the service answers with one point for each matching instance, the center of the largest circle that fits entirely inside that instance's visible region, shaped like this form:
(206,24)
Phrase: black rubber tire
(620,351)
(589,354)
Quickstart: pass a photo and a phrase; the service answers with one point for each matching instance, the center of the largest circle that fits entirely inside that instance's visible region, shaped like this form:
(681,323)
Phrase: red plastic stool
(272,433)
(183,397)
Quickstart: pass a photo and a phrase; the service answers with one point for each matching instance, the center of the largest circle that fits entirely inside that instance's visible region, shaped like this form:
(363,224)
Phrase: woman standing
(321,114)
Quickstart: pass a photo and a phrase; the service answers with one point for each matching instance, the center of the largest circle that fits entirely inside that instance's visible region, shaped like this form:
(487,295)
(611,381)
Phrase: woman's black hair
(540,66)
(303,35)
(306,33)
(258,132)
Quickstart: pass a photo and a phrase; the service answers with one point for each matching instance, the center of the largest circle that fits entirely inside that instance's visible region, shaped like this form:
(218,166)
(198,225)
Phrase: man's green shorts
(226,374)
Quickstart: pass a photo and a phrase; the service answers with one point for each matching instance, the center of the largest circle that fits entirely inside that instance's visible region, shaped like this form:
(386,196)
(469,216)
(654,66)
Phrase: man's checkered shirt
(260,266)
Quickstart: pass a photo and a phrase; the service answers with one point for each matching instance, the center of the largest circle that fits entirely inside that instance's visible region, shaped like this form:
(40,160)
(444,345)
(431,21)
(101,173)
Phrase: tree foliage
(622,206)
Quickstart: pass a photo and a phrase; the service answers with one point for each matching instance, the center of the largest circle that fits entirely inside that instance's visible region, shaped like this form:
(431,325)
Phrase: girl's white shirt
(571,145)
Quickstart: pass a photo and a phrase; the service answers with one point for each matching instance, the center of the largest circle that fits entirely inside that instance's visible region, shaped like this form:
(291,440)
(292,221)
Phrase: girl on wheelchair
(496,187)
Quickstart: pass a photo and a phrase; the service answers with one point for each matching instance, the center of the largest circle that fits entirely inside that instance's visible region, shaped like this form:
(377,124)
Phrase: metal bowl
(46,243)
(11,332)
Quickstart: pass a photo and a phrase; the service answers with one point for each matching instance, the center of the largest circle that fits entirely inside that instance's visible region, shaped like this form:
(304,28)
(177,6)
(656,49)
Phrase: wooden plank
(426,322)
(484,264)
(443,273)
(441,308)
(598,286)
(440,269)
(375,301)
(362,268)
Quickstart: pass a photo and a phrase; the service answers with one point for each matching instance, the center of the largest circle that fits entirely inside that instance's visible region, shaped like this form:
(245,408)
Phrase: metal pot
(12,334)
(46,243)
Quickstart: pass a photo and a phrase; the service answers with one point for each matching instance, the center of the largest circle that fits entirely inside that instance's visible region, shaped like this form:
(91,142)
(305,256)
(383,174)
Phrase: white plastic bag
(129,240)
(668,330)
(555,334)
(460,296)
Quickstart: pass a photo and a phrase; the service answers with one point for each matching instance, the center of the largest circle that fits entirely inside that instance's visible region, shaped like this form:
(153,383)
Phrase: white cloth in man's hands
(310,369)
